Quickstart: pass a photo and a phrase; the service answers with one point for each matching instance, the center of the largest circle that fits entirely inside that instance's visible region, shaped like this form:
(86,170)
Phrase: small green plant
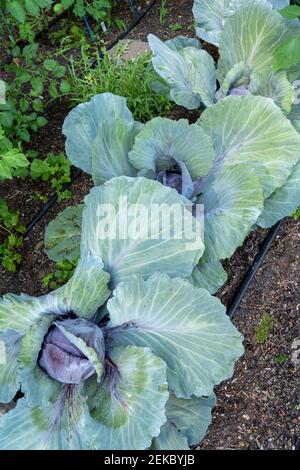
(175,26)
(9,219)
(281,358)
(163,11)
(19,9)
(37,80)
(67,37)
(39,196)
(288,52)
(287,55)
(264,329)
(12,231)
(56,169)
(296,214)
(120,24)
(63,272)
(130,78)
(10,255)
(24,11)
(99,10)
(11,159)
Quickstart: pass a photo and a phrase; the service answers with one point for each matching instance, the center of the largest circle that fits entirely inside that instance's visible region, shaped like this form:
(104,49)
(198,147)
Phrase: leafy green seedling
(264,329)
(290,12)
(64,270)
(130,78)
(296,214)
(11,158)
(175,26)
(287,55)
(281,358)
(12,229)
(56,169)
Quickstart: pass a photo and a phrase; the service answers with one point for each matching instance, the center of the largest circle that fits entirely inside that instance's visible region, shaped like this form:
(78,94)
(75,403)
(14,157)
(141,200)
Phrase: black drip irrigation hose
(258,260)
(55,20)
(50,203)
(260,257)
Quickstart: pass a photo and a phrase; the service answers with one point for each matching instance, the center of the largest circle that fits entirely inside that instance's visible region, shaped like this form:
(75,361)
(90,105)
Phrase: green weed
(264,329)
(130,78)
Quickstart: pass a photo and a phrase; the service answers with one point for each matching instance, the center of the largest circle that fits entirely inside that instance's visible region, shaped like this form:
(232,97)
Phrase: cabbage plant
(232,162)
(126,354)
(240,160)
(248,42)
(244,69)
(211,15)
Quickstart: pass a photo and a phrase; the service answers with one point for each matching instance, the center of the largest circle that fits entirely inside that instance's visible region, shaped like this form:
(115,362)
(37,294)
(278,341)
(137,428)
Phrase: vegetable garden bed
(259,407)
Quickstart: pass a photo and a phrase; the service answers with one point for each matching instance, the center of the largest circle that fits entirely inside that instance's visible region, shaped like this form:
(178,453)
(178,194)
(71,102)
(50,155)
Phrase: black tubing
(50,203)
(254,268)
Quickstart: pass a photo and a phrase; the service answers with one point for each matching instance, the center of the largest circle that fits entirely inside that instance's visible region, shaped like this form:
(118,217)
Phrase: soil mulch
(259,408)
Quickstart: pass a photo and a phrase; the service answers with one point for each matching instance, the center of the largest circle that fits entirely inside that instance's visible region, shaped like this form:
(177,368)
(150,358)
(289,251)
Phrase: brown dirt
(258,407)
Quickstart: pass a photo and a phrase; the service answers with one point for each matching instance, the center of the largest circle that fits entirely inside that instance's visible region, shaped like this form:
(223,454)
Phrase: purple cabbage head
(171,179)
(66,362)
(239,91)
(178,178)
